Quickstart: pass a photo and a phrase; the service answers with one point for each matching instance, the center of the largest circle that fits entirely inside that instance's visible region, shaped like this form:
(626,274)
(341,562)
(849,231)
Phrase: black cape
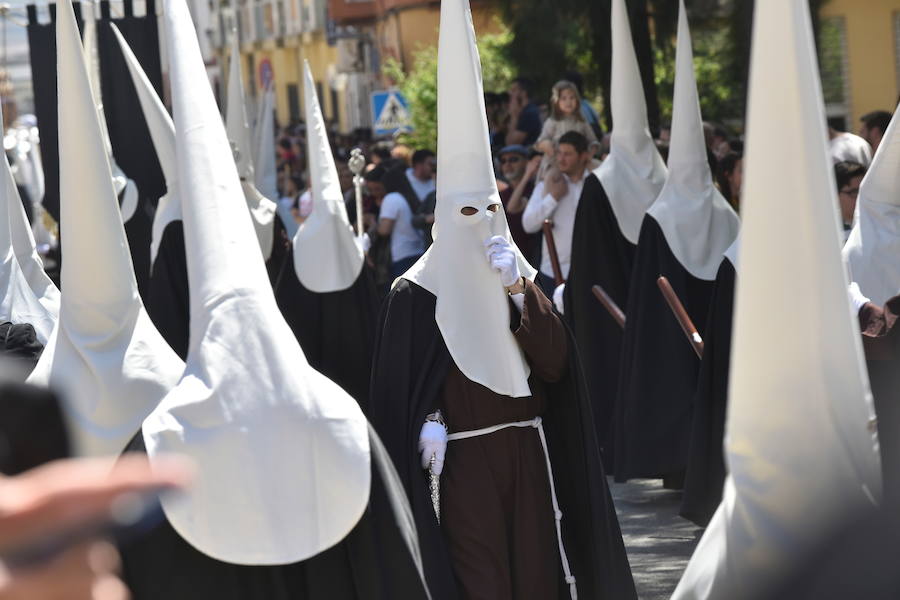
(410,366)
(168,298)
(336,330)
(705,475)
(378,560)
(658,376)
(32,428)
(600,256)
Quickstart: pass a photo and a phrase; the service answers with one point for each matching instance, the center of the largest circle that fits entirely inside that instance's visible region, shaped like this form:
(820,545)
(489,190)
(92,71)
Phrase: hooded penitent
(633,174)
(873,249)
(265,167)
(800,444)
(162,131)
(282,452)
(262,209)
(472,310)
(327,257)
(698,223)
(109,363)
(26,293)
(126,189)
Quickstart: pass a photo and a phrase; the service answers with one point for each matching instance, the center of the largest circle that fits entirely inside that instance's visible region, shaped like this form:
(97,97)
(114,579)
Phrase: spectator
(380,154)
(401,152)
(873,127)
(395,222)
(421,174)
(524,114)
(557,199)
(718,141)
(729,177)
(519,173)
(587,111)
(846,147)
(565,116)
(849,176)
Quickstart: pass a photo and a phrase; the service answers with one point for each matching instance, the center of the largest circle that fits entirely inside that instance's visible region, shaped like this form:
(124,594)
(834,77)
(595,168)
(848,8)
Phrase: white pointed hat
(162,132)
(873,249)
(19,301)
(634,173)
(282,452)
(800,441)
(265,166)
(472,310)
(29,262)
(698,223)
(110,365)
(125,188)
(262,209)
(327,257)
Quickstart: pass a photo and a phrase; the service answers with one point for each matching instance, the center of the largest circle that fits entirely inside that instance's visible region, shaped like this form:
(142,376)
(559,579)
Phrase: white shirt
(543,206)
(852,148)
(406,240)
(421,188)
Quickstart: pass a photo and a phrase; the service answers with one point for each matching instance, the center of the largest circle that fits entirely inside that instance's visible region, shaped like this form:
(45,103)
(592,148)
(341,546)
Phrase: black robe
(659,370)
(600,256)
(335,330)
(168,297)
(378,560)
(705,477)
(32,428)
(410,366)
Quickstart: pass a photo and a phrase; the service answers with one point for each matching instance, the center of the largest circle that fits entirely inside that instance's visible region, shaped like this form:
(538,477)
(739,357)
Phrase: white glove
(558,298)
(433,442)
(502,257)
(364,242)
(857,300)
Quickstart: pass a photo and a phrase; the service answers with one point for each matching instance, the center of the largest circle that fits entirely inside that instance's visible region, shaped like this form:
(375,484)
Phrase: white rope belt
(537,423)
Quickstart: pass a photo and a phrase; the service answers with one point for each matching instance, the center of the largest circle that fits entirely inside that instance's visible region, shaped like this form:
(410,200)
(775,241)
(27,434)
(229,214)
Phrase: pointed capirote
(327,256)
(24,248)
(634,173)
(697,222)
(22,301)
(240,136)
(105,358)
(125,187)
(472,309)
(800,440)
(265,167)
(873,249)
(162,132)
(282,452)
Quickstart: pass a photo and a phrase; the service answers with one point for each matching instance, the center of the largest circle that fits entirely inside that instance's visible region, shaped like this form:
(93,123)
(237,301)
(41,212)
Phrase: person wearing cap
(514,167)
(477,388)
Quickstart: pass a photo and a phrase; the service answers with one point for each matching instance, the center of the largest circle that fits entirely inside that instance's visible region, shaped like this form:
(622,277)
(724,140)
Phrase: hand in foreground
(558,298)
(433,442)
(502,258)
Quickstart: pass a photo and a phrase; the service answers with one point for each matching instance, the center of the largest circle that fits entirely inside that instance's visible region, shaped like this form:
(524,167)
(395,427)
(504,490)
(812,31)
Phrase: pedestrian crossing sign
(390,113)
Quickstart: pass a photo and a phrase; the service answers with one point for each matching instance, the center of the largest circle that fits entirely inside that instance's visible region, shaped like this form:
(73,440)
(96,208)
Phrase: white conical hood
(634,173)
(873,248)
(162,132)
(20,301)
(472,307)
(29,262)
(282,452)
(105,357)
(262,210)
(327,257)
(800,440)
(265,167)
(126,189)
(698,223)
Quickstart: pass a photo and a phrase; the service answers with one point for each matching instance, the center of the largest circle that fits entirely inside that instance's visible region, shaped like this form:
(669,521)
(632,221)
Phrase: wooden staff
(551,248)
(609,305)
(681,315)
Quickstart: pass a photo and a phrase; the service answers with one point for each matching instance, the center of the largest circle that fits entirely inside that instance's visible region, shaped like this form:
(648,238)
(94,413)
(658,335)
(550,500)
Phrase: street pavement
(658,541)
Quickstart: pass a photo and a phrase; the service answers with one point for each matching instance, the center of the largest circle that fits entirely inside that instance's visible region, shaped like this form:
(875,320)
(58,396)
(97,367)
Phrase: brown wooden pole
(681,315)
(609,305)
(554,256)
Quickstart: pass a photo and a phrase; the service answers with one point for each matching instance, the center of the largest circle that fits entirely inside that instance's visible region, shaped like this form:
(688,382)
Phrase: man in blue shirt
(524,115)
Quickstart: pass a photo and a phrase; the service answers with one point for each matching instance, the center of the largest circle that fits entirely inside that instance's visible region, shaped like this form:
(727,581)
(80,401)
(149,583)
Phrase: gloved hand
(558,298)
(502,257)
(857,300)
(433,442)
(364,242)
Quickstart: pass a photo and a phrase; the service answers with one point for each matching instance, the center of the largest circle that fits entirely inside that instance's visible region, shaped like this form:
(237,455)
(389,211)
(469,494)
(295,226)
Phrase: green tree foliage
(419,85)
